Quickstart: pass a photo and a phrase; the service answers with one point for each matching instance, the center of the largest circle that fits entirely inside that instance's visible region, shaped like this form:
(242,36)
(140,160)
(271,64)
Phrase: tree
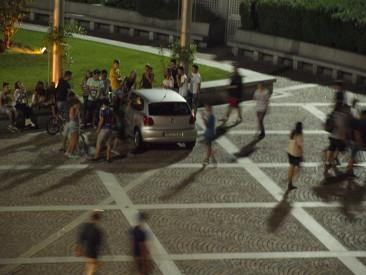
(11,14)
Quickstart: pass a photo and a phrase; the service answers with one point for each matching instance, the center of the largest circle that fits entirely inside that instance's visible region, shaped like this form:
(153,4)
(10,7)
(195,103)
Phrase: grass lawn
(86,55)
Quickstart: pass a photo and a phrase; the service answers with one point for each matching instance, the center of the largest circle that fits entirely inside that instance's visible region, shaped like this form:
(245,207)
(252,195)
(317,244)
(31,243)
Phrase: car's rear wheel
(137,140)
(190,145)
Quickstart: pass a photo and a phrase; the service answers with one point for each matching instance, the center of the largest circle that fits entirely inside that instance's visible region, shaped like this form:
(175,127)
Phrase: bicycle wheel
(53,126)
(82,147)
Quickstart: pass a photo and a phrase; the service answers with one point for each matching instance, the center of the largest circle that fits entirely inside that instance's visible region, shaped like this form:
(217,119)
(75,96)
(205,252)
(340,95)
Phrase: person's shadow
(248,149)
(175,190)
(344,189)
(279,213)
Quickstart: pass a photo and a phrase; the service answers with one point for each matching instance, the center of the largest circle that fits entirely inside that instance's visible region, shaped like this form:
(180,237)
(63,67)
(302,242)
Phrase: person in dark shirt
(89,243)
(358,140)
(147,78)
(235,94)
(62,92)
(340,94)
(140,250)
(174,71)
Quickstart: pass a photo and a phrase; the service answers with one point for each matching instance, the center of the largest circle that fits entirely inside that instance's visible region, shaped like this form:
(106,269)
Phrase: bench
(129,21)
(40,117)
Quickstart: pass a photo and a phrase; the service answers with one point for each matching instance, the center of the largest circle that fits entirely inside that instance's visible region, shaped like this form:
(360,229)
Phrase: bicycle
(56,124)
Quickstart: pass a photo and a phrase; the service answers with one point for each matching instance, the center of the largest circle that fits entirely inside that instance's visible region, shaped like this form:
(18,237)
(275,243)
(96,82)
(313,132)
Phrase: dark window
(169,109)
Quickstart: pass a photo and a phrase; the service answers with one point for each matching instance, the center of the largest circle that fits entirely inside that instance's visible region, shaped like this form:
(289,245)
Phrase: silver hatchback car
(160,116)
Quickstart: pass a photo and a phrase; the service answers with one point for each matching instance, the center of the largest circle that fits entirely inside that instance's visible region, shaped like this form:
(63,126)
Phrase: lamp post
(58,24)
(186,27)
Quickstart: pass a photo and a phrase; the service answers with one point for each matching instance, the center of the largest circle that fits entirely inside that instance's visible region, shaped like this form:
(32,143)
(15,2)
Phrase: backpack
(329,125)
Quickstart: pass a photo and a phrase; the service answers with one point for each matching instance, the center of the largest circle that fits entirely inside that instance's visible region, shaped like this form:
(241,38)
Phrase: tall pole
(186,27)
(58,24)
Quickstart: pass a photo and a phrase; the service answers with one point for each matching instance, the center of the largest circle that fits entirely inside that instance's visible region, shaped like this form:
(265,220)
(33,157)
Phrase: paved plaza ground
(231,219)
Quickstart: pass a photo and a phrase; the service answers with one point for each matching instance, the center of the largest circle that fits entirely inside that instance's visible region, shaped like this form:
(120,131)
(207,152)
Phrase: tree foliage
(334,23)
(11,14)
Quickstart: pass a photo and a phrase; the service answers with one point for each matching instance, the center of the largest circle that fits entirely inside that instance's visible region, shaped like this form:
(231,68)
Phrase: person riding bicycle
(337,125)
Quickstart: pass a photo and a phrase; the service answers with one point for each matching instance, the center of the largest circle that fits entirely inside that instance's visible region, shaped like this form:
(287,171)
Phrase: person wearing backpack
(336,125)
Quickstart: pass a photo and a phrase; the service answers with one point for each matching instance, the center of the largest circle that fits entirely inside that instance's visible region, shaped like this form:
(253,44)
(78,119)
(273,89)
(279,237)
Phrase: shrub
(334,23)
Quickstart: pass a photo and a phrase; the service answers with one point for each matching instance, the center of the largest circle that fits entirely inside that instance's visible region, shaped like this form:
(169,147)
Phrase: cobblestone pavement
(231,219)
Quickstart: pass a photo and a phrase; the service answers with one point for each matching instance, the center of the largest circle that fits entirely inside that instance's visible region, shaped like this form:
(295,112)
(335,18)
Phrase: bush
(334,23)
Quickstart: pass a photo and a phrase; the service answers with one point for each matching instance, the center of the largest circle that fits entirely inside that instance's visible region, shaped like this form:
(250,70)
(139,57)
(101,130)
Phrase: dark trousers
(260,118)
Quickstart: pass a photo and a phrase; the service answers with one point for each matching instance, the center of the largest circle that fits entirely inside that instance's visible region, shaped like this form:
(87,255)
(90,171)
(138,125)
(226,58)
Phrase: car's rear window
(169,109)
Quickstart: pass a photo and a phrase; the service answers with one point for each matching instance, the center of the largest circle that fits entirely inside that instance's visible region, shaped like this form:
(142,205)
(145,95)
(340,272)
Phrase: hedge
(156,8)
(334,23)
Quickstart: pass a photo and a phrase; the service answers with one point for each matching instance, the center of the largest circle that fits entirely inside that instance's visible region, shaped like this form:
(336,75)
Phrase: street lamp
(186,27)
(58,24)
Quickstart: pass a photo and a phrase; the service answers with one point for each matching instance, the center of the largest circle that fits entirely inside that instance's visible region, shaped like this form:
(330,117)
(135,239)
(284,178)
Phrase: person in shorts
(73,127)
(140,248)
(209,134)
(7,106)
(89,243)
(104,130)
(235,94)
(295,153)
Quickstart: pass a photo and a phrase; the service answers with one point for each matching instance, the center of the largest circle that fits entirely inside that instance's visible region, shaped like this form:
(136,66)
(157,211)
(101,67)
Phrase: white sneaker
(71,156)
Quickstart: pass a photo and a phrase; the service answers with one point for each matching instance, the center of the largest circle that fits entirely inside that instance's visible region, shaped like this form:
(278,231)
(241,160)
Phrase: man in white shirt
(261,96)
(95,86)
(195,88)
(182,82)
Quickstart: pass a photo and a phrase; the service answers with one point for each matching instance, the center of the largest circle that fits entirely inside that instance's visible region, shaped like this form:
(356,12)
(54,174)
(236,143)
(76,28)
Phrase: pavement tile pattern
(218,220)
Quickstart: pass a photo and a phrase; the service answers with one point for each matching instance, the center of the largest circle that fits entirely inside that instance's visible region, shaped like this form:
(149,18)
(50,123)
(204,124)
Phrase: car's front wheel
(137,140)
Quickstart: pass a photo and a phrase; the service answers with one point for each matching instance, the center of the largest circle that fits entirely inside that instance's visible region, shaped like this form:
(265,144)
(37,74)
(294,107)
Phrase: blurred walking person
(140,248)
(235,94)
(89,243)
(261,96)
(210,132)
(295,153)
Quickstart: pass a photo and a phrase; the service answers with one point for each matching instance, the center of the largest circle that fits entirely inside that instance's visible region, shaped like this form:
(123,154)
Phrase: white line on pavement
(41,208)
(271,132)
(195,256)
(167,267)
(297,87)
(315,111)
(52,238)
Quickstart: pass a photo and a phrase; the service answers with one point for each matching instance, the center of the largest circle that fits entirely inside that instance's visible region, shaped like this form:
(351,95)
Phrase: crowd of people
(105,96)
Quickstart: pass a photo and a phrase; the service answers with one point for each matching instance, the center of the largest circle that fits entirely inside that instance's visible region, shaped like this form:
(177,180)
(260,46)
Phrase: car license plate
(173,134)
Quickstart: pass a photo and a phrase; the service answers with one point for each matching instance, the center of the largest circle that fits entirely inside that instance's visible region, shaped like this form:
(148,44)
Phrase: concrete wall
(300,53)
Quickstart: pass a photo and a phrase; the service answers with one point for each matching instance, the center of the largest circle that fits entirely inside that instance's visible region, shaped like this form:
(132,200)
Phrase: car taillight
(192,119)
(148,121)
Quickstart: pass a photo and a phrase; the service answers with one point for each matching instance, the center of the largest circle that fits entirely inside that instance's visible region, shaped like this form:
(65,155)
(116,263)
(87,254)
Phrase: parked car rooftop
(160,95)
